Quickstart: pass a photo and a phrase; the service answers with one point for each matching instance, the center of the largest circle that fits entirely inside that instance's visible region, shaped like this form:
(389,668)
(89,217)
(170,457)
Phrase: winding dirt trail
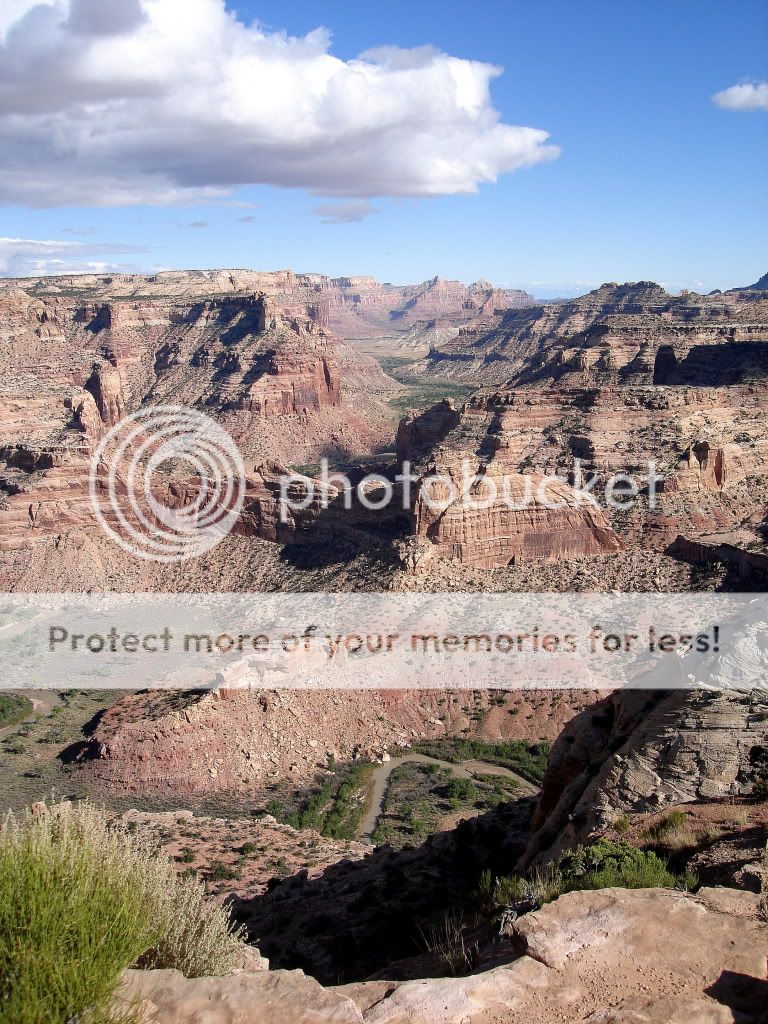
(464,770)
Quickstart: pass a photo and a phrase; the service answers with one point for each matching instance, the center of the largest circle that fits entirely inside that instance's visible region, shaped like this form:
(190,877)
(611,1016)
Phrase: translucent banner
(380,641)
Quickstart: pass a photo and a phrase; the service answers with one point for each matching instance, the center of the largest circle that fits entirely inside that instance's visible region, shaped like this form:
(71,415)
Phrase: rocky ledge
(611,956)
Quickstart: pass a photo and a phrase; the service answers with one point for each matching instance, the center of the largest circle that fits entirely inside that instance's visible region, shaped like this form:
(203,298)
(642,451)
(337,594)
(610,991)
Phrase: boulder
(264,997)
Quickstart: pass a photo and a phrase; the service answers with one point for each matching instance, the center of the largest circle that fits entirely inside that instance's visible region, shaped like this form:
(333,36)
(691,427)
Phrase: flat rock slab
(612,956)
(263,997)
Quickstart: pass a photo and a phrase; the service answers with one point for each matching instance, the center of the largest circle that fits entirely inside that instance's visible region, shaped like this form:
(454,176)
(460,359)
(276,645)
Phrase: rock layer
(638,750)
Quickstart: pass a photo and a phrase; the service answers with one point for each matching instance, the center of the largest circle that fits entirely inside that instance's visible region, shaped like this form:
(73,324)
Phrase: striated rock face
(638,750)
(244,358)
(412,315)
(494,533)
(353,307)
(622,380)
(106,387)
(77,354)
(631,333)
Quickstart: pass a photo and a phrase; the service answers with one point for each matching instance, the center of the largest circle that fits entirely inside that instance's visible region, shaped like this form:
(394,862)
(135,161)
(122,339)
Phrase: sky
(549,146)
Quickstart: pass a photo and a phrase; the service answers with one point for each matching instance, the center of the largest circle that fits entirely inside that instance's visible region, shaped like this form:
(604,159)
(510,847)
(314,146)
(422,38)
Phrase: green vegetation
(14,708)
(606,864)
(759,759)
(81,900)
(423,798)
(336,808)
(527,759)
(221,872)
(423,391)
(29,754)
(462,791)
(671,833)
(602,865)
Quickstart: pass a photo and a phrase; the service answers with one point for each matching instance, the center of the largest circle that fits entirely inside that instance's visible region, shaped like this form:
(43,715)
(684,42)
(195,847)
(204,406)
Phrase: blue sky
(653,179)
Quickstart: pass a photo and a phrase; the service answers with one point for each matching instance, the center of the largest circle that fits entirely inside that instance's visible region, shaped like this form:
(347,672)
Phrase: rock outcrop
(639,750)
(611,956)
(631,333)
(504,518)
(262,997)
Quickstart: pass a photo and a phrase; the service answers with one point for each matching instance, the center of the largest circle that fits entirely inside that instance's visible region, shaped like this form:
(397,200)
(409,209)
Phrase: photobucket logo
(471,487)
(145,512)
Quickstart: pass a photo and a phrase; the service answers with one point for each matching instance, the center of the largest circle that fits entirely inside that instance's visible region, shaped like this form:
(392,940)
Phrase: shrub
(15,746)
(220,872)
(248,849)
(605,864)
(622,823)
(672,832)
(81,900)
(464,790)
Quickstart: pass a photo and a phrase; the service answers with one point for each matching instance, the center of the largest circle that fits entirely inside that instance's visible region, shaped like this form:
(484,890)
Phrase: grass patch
(527,759)
(81,900)
(672,832)
(14,708)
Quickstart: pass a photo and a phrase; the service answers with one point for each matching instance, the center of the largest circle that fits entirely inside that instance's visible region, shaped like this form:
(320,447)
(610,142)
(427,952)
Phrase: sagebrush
(81,899)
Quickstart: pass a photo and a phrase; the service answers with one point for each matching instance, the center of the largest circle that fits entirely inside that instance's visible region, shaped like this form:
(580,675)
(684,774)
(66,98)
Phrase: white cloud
(112,103)
(351,212)
(750,96)
(27,257)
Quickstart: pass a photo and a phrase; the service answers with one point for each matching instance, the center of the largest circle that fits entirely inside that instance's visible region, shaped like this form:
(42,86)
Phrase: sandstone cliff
(640,750)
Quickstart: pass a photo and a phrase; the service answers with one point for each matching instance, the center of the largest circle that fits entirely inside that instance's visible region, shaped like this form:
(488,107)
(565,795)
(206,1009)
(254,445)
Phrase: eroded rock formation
(638,750)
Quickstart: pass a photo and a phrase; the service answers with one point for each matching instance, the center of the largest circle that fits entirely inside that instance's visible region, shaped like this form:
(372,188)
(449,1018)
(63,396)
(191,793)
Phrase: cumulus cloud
(113,103)
(27,257)
(750,96)
(351,212)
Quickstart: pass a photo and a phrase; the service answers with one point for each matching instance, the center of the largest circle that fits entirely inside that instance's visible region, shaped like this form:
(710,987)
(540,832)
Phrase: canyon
(628,380)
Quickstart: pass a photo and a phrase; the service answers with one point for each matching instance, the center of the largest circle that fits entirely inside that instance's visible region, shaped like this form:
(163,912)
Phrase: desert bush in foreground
(80,900)
(603,865)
